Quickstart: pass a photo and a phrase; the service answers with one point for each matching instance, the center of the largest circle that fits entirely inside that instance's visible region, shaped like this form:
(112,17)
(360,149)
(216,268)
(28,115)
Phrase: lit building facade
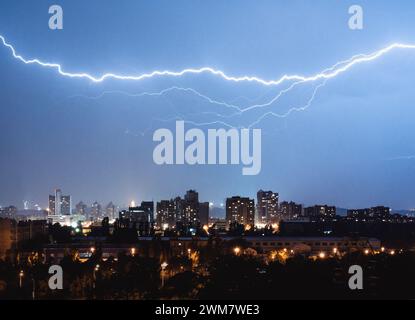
(8,212)
(66,205)
(267,207)
(240,210)
(166,214)
(59,205)
(96,211)
(317,211)
(290,210)
(81,209)
(379,212)
(138,218)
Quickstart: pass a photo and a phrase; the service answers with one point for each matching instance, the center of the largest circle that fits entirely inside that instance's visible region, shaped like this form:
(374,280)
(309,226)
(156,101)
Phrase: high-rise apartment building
(166,214)
(81,209)
(204,208)
(96,211)
(66,205)
(240,210)
(267,207)
(59,205)
(187,212)
(290,210)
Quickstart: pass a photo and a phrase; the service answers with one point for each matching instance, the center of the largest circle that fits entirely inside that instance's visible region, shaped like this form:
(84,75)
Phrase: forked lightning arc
(332,72)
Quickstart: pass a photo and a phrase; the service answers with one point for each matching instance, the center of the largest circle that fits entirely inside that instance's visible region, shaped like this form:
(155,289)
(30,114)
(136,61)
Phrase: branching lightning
(268,114)
(293,109)
(293,81)
(161,93)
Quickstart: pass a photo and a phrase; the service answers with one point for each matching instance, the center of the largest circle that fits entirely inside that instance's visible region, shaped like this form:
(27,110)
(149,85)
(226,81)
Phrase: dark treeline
(246,277)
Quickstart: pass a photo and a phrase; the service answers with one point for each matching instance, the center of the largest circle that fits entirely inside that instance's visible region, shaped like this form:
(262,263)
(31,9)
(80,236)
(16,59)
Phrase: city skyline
(267,205)
(126,204)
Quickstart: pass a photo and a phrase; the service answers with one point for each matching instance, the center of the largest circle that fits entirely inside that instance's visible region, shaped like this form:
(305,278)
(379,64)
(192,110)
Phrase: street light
(163,269)
(21,275)
(237,250)
(133,251)
(96,269)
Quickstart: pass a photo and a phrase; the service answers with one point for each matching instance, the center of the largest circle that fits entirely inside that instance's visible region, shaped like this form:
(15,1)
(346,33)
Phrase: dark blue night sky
(353,147)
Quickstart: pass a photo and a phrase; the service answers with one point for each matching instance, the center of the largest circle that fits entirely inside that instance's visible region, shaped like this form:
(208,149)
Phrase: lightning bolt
(261,118)
(325,75)
(291,110)
(358,59)
(159,94)
(239,110)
